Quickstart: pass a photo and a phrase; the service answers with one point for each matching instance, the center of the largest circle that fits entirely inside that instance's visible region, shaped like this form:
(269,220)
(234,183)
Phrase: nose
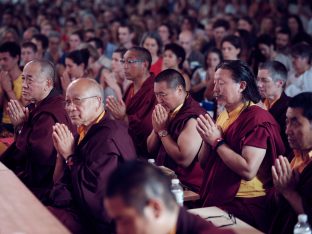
(288,130)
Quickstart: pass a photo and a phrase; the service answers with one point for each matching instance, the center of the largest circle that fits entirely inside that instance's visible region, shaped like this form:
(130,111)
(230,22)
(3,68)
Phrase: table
(219,217)
(190,195)
(20,211)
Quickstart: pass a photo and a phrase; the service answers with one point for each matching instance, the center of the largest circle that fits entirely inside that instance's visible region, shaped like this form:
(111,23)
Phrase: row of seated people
(228,162)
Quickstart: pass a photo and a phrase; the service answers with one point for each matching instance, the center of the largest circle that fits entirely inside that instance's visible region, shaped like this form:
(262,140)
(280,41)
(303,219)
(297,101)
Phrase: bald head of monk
(84,101)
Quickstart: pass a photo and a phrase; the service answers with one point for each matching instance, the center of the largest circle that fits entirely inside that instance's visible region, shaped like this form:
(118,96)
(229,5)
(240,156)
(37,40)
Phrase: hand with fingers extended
(207,129)
(284,178)
(160,117)
(18,114)
(63,140)
(116,107)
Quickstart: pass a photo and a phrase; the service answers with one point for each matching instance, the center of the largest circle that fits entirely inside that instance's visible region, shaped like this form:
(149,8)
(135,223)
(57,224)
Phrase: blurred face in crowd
(117,67)
(151,45)
(7,62)
(170,60)
(243,24)
(213,60)
(298,129)
(164,34)
(74,42)
(74,70)
(124,35)
(219,33)
(185,40)
(27,54)
(265,50)
(300,64)
(229,51)
(282,40)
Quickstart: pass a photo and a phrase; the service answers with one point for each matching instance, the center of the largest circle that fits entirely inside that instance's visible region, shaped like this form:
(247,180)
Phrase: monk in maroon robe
(239,148)
(32,156)
(139,100)
(174,134)
(101,146)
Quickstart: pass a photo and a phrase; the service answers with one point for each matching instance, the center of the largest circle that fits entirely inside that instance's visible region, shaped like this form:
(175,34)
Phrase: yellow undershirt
(82,130)
(17,89)
(299,162)
(251,188)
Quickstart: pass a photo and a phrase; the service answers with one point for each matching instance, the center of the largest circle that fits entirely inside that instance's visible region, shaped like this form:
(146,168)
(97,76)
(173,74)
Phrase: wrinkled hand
(18,114)
(207,129)
(63,140)
(116,107)
(284,178)
(160,118)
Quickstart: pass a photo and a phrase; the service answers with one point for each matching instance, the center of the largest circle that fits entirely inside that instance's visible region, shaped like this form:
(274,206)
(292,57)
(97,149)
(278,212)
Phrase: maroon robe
(79,193)
(139,109)
(32,156)
(193,174)
(285,216)
(278,110)
(254,127)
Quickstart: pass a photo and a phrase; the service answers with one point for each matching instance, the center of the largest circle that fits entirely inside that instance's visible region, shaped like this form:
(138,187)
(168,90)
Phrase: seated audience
(85,162)
(239,148)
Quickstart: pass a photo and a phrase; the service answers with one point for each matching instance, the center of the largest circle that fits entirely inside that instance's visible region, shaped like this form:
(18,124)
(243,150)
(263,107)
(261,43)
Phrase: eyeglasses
(76,101)
(222,220)
(131,61)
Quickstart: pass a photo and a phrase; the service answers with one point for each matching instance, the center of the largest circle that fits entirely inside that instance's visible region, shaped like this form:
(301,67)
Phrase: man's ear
(242,86)
(156,206)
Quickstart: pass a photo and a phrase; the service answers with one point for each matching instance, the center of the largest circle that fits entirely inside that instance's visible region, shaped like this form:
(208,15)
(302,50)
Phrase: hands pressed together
(63,140)
(284,178)
(160,118)
(207,129)
(18,114)
(116,107)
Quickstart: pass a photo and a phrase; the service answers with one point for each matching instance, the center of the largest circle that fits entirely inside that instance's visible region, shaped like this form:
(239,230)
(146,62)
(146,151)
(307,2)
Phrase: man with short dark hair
(101,146)
(28,52)
(139,200)
(174,137)
(32,156)
(10,80)
(137,105)
(271,81)
(125,36)
(293,181)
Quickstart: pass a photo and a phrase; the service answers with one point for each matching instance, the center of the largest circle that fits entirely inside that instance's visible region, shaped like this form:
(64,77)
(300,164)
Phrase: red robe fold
(32,156)
(139,109)
(285,216)
(192,175)
(254,127)
(79,193)
(278,110)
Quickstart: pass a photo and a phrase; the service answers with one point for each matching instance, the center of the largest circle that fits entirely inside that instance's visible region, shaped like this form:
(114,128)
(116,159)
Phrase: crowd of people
(90,90)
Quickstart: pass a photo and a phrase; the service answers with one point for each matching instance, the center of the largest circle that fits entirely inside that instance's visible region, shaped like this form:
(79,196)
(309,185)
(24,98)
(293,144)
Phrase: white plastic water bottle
(151,161)
(302,227)
(177,190)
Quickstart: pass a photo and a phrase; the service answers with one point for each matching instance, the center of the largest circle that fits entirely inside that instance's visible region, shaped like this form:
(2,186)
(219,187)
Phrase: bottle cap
(302,218)
(175,181)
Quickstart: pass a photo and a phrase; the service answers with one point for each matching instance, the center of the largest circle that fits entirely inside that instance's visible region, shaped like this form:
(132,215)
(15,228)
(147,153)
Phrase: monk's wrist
(217,143)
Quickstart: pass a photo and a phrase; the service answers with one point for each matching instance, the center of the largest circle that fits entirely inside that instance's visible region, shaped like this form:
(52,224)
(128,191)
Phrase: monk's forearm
(153,142)
(174,151)
(203,154)
(294,200)
(236,162)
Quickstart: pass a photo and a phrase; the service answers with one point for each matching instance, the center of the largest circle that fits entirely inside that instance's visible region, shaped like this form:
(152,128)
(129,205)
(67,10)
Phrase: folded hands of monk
(63,140)
(207,129)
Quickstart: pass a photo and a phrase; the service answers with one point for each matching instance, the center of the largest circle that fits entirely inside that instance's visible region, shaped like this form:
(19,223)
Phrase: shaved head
(87,87)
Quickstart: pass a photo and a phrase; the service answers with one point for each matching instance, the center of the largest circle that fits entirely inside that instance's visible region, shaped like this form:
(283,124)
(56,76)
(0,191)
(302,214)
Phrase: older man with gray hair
(32,156)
